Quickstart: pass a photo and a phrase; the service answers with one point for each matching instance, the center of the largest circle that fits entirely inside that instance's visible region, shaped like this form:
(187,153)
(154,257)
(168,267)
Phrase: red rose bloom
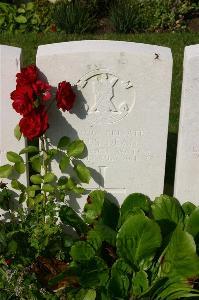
(65,96)
(42,89)
(23,99)
(35,124)
(27,76)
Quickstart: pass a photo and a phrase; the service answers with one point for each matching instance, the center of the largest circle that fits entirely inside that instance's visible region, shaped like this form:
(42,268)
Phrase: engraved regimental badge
(105,96)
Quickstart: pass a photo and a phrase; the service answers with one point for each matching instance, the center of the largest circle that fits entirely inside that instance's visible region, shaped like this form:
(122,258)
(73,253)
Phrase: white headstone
(10,65)
(121,111)
(187,163)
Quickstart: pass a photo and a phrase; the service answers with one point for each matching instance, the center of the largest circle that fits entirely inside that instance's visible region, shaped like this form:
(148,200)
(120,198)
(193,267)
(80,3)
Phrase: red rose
(35,124)
(42,89)
(65,96)
(27,76)
(23,100)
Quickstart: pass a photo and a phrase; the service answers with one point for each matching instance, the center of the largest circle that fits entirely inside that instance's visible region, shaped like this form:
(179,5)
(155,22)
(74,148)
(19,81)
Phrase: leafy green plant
(73,17)
(26,17)
(146,251)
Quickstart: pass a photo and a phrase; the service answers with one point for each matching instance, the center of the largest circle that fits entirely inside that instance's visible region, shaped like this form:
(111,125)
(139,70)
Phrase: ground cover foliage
(79,16)
(146,250)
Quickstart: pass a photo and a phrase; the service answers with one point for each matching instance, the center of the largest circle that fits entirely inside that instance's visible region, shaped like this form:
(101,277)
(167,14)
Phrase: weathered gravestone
(121,111)
(10,65)
(187,163)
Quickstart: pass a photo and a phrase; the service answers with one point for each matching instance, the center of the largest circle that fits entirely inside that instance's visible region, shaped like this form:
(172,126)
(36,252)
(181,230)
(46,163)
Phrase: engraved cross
(111,190)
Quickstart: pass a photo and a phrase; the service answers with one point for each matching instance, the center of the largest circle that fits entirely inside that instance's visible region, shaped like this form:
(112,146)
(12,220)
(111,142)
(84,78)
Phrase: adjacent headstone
(187,162)
(121,112)
(10,65)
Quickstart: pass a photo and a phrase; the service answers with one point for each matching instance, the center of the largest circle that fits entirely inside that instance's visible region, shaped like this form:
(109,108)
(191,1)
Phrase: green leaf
(140,283)
(76,148)
(36,163)
(22,198)
(82,251)
(107,234)
(180,258)
(21,10)
(14,157)
(132,203)
(64,163)
(168,212)
(20,167)
(17,185)
(63,143)
(36,179)
(17,132)
(5,171)
(49,177)
(119,282)
(30,202)
(94,205)
(48,188)
(110,209)
(12,247)
(83,173)
(69,217)
(192,225)
(93,273)
(136,244)
(21,19)
(188,208)
(30,6)
(86,295)
(29,149)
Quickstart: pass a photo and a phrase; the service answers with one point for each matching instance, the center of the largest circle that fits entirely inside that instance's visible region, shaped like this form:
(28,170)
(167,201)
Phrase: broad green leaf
(107,234)
(140,283)
(49,177)
(22,198)
(48,188)
(192,225)
(20,167)
(36,179)
(188,208)
(135,201)
(17,132)
(63,142)
(30,6)
(82,251)
(29,149)
(168,212)
(5,171)
(119,282)
(14,157)
(85,295)
(36,163)
(12,247)
(180,258)
(30,202)
(21,10)
(21,19)
(94,205)
(94,238)
(17,185)
(83,173)
(109,209)
(64,163)
(69,217)
(93,273)
(76,148)
(138,240)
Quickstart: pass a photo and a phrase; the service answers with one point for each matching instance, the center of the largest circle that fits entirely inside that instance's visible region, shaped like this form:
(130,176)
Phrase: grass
(176,41)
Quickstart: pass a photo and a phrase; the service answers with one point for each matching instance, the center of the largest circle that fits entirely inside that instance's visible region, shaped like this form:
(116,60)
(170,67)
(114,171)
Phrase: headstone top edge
(191,51)
(102,46)
(10,50)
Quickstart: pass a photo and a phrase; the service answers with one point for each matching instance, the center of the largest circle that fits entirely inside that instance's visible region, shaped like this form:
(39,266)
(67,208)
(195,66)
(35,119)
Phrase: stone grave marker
(121,111)
(187,162)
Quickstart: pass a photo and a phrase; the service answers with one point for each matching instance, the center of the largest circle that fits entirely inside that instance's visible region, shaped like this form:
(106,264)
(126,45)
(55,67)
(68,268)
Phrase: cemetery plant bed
(141,250)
